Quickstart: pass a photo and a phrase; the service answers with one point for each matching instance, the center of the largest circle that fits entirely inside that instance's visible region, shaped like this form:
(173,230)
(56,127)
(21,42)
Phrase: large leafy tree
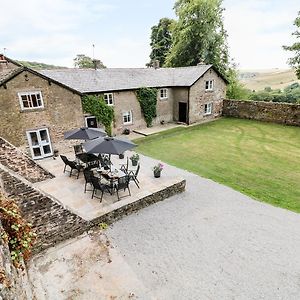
(199,35)
(295,61)
(82,61)
(161,40)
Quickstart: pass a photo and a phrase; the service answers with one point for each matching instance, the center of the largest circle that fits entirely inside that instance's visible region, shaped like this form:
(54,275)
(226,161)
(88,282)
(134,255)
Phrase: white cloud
(54,31)
(257,30)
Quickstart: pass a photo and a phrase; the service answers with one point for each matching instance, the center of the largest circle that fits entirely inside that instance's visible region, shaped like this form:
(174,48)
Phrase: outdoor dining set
(93,159)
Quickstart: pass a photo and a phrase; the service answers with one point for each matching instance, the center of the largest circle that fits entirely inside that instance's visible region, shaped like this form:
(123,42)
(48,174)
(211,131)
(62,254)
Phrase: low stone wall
(14,283)
(51,221)
(282,113)
(17,161)
(130,208)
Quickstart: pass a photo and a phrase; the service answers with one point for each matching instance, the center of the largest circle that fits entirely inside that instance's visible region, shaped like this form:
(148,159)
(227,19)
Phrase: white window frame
(40,143)
(28,95)
(209,85)
(163,94)
(208,108)
(127,114)
(109,99)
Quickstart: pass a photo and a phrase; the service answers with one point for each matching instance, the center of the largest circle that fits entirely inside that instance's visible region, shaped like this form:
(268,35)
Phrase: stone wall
(127,101)
(199,97)
(62,110)
(20,163)
(51,221)
(282,113)
(14,283)
(132,207)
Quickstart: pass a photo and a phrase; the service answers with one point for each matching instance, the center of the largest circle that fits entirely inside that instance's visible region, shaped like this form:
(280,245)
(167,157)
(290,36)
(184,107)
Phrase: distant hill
(38,65)
(275,78)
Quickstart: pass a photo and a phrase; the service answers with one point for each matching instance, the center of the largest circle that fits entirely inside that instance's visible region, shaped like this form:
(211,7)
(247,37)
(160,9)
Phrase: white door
(39,142)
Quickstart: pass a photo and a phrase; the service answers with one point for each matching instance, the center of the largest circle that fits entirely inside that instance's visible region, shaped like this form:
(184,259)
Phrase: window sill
(207,114)
(32,110)
(209,91)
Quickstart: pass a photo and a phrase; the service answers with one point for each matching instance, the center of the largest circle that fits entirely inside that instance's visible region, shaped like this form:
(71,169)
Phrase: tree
(199,35)
(82,61)
(295,61)
(161,40)
(235,89)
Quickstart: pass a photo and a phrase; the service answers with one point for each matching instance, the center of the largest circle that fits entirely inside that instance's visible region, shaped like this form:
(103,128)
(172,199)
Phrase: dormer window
(163,94)
(209,85)
(30,100)
(109,98)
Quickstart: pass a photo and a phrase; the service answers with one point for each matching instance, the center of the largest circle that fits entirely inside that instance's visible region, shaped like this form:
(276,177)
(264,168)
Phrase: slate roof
(101,80)
(5,74)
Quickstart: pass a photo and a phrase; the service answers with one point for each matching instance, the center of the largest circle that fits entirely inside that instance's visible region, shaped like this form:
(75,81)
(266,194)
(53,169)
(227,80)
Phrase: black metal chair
(72,164)
(88,174)
(78,149)
(97,185)
(104,162)
(123,184)
(133,176)
(124,167)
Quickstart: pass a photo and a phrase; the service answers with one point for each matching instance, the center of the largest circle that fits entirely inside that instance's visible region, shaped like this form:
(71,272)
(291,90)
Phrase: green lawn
(259,159)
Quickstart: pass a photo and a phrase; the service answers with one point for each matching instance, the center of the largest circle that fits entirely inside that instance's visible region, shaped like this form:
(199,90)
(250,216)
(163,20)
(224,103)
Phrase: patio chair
(97,186)
(133,176)
(72,164)
(123,184)
(88,174)
(124,167)
(104,162)
(78,149)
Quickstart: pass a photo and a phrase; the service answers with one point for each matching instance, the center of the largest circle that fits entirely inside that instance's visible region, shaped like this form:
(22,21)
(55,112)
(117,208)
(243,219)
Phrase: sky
(55,31)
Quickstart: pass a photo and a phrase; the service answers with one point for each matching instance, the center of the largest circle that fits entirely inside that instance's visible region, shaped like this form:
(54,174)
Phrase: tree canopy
(199,35)
(161,40)
(82,61)
(295,61)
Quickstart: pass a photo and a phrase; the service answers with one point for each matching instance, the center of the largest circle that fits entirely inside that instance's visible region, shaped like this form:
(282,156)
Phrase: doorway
(39,143)
(182,112)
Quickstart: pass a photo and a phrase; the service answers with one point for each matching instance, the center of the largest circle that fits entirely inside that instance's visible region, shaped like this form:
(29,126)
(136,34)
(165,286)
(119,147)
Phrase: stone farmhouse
(37,107)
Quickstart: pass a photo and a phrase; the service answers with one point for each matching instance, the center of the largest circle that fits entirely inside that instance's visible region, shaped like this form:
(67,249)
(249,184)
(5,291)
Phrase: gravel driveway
(211,242)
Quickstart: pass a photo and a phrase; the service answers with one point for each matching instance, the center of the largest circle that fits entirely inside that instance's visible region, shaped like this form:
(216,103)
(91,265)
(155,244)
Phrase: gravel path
(211,242)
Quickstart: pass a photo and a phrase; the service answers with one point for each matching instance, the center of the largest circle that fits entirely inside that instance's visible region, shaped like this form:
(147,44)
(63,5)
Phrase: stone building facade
(37,107)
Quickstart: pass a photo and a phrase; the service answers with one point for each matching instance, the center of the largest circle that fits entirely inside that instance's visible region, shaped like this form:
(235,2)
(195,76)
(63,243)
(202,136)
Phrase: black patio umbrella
(84,133)
(108,145)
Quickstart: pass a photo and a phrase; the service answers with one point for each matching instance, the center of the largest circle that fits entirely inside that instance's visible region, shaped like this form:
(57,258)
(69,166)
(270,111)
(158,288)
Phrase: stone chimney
(156,64)
(201,63)
(3,63)
(96,64)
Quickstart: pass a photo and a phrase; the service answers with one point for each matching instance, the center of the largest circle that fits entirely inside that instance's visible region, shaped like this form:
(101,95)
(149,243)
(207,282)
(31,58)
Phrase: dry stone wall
(17,161)
(282,113)
(14,283)
(51,221)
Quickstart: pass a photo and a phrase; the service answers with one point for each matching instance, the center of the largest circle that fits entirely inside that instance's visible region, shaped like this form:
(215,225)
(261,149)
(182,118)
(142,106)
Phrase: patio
(69,191)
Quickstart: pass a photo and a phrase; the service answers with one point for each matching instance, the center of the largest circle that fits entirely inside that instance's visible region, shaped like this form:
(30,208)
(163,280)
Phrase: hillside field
(274,78)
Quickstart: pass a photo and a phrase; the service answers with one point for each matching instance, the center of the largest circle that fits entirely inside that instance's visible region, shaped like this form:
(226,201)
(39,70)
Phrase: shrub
(17,232)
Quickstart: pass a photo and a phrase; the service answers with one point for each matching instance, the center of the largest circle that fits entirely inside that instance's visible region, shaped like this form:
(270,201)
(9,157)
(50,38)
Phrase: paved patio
(69,191)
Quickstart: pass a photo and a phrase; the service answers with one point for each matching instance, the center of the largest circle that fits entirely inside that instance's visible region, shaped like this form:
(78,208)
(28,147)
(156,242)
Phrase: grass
(261,160)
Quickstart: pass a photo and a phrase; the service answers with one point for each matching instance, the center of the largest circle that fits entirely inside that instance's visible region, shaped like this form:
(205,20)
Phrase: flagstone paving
(69,191)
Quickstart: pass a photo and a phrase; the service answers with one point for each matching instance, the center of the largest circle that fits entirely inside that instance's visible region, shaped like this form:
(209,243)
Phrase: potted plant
(157,170)
(134,159)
